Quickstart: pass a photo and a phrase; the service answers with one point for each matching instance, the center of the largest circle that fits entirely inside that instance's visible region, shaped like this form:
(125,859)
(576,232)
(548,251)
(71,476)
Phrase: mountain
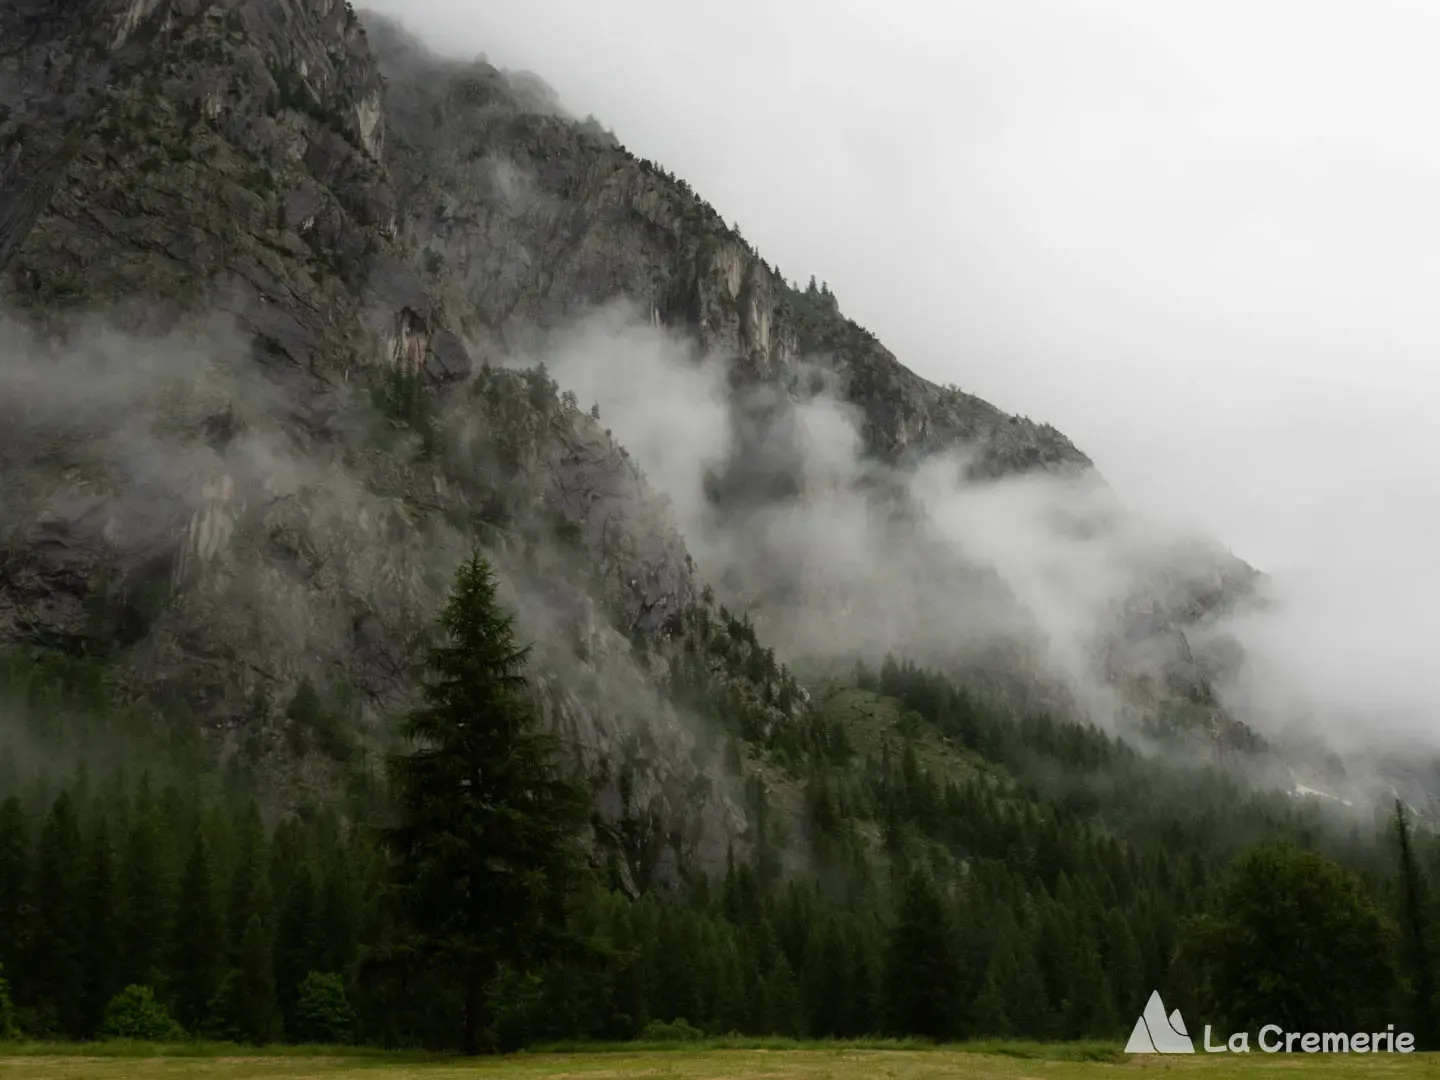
(281,286)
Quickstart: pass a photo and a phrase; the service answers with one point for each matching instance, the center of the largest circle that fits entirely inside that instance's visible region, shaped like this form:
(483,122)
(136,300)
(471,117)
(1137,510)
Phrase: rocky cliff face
(522,218)
(265,259)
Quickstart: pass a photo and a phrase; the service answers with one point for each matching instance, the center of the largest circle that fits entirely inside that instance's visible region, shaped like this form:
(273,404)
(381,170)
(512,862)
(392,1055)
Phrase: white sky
(1201,238)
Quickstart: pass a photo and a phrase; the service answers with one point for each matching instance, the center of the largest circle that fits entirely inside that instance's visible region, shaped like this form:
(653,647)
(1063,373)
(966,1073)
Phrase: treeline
(226,918)
(1041,892)
(223,916)
(259,933)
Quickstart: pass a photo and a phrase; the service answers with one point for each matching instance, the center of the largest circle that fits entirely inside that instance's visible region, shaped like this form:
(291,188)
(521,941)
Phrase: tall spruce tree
(245,1009)
(144,924)
(340,914)
(247,876)
(1415,925)
(102,932)
(297,940)
(16,880)
(484,841)
(59,942)
(922,970)
(199,960)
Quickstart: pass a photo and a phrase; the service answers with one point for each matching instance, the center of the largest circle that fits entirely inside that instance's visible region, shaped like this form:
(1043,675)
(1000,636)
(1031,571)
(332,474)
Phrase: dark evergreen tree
(145,922)
(101,961)
(785,1011)
(297,951)
(484,845)
(16,898)
(246,878)
(922,968)
(59,942)
(989,1016)
(340,912)
(245,1008)
(1415,911)
(1090,1004)
(200,958)
(1293,939)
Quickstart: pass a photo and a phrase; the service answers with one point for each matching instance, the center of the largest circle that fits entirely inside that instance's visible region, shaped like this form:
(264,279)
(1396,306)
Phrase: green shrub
(679,1031)
(134,1013)
(323,1013)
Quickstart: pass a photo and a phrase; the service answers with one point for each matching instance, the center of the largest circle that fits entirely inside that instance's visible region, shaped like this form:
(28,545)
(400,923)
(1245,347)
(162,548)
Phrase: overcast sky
(1201,238)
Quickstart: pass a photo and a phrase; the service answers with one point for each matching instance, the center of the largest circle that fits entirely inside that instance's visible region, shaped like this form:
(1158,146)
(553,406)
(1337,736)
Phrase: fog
(1199,239)
(1019,585)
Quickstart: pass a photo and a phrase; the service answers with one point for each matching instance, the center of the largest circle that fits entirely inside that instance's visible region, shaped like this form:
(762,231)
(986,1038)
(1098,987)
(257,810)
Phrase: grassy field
(970,1062)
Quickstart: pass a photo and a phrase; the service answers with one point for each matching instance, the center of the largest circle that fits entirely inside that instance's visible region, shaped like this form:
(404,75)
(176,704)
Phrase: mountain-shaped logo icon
(1155,1033)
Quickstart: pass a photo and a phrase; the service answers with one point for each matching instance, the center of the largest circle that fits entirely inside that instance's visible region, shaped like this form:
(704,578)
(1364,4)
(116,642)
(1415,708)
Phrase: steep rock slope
(520,218)
(523,217)
(215,501)
(291,219)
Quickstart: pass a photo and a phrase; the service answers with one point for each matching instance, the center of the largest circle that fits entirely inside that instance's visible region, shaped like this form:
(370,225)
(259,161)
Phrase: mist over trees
(1039,889)
(279,299)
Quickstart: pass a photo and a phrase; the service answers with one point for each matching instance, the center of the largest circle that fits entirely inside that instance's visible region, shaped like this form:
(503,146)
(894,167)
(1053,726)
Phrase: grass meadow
(723,1060)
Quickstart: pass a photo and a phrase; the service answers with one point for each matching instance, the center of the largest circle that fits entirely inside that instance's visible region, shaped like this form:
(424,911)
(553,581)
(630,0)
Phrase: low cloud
(1208,268)
(865,561)
(236,533)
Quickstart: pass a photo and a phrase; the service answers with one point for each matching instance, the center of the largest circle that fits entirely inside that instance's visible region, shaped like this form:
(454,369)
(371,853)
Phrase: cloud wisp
(1175,234)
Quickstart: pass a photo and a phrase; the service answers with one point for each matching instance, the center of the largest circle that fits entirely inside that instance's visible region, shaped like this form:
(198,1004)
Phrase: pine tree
(1415,910)
(676,975)
(339,914)
(830,980)
(1024,987)
(785,1009)
(145,888)
(1124,963)
(729,996)
(1091,1011)
(297,943)
(199,962)
(922,965)
(484,845)
(989,1017)
(59,940)
(102,924)
(16,900)
(246,878)
(289,852)
(245,1008)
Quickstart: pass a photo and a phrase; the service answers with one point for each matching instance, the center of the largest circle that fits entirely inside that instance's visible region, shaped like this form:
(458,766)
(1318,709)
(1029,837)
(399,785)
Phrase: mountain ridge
(220,508)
